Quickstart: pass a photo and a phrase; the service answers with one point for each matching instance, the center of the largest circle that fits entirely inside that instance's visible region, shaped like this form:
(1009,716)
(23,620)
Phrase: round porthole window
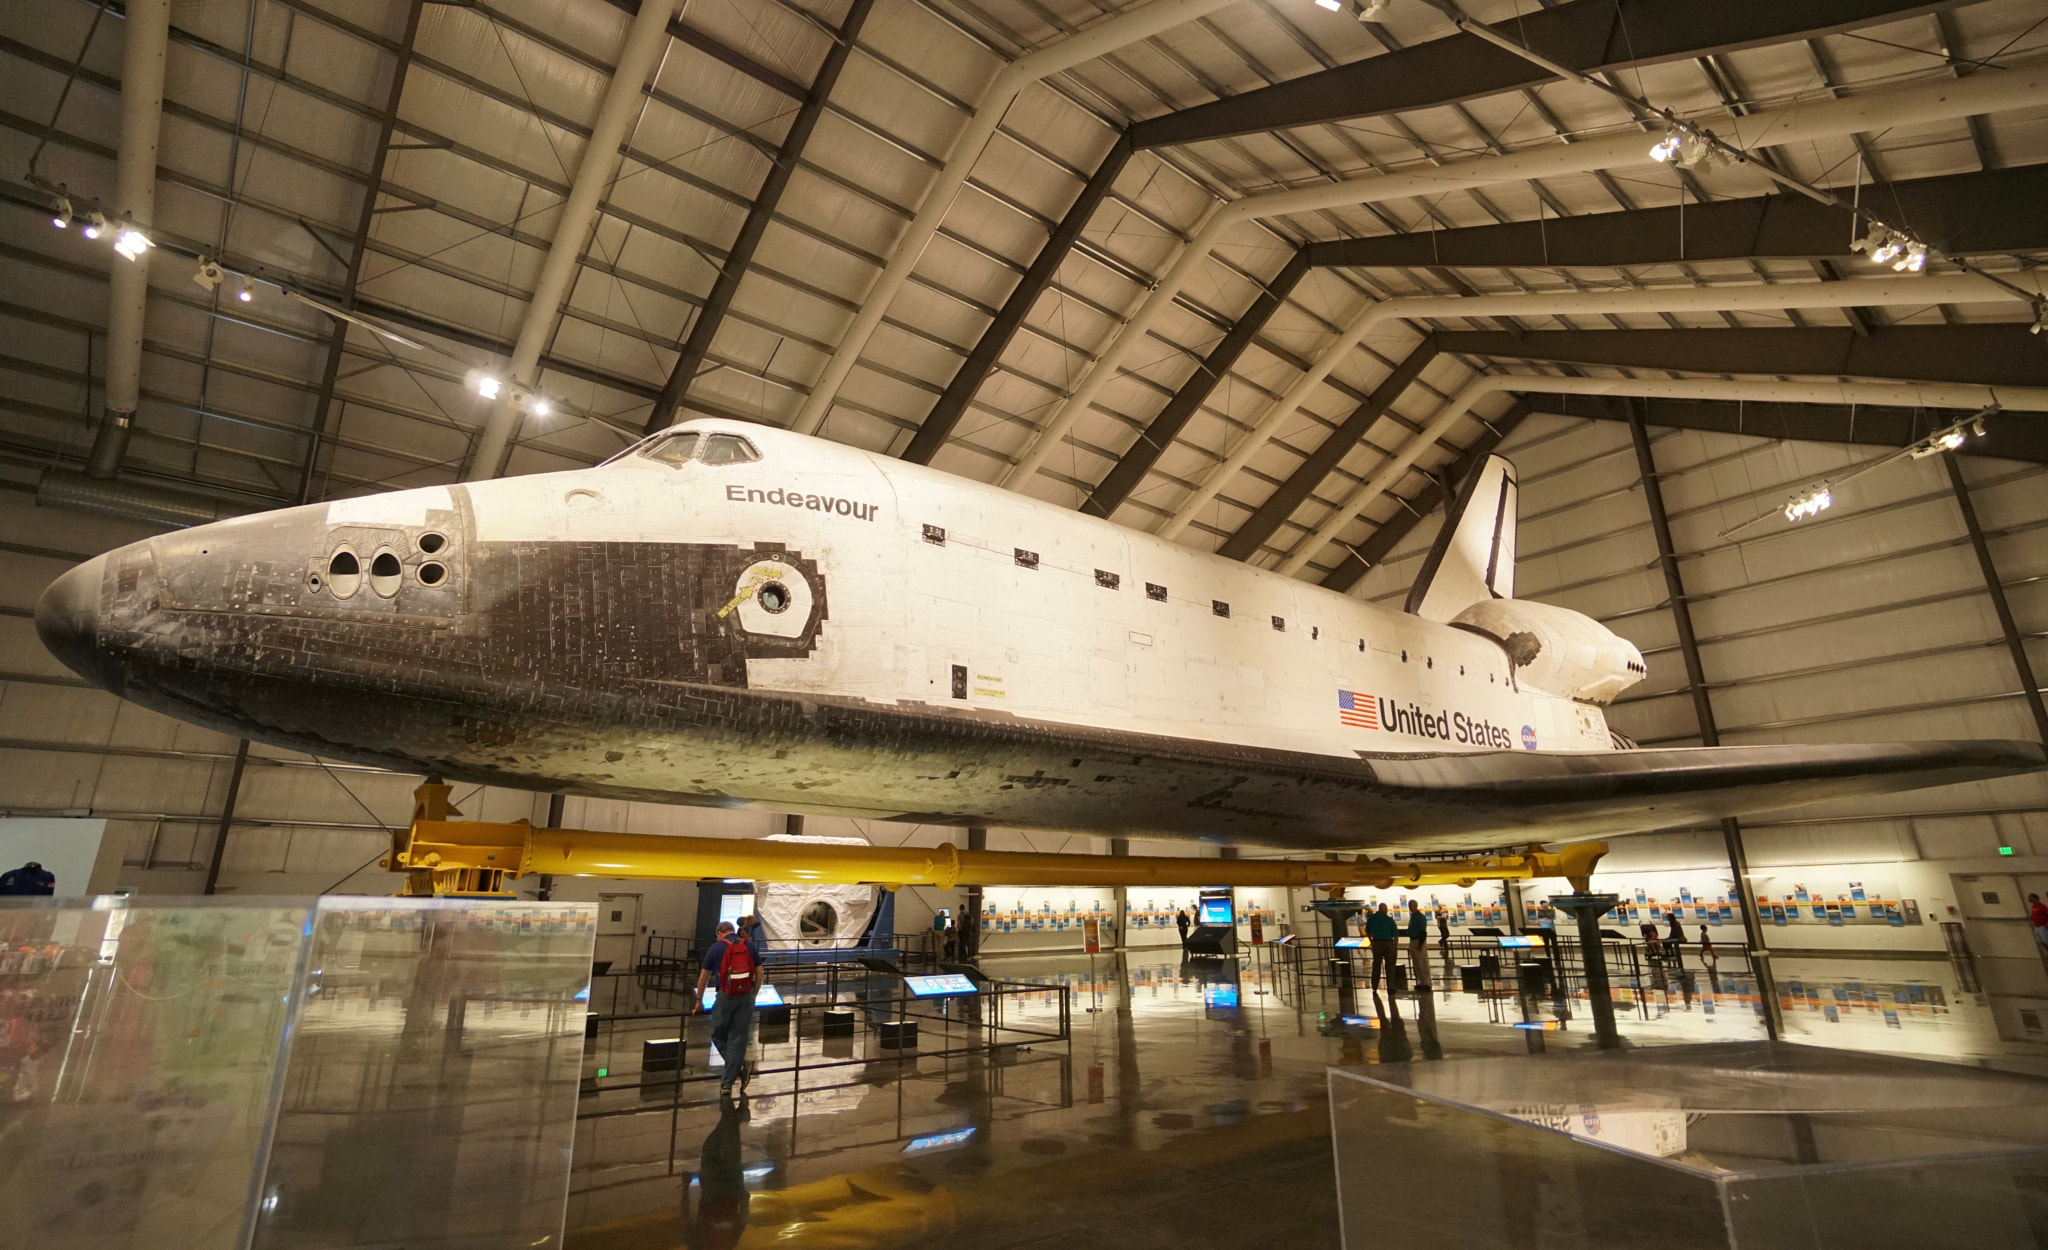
(344,573)
(433,573)
(818,920)
(385,572)
(775,599)
(431,542)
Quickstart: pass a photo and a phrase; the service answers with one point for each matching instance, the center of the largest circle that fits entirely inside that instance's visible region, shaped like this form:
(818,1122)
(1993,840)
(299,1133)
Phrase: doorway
(618,931)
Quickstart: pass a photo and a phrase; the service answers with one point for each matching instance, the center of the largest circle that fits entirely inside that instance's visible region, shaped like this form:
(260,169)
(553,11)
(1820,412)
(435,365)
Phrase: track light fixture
(537,405)
(487,386)
(208,275)
(62,219)
(96,225)
(1914,261)
(1683,147)
(1814,502)
(1331,5)
(1374,10)
(132,243)
(2040,325)
(244,294)
(1952,437)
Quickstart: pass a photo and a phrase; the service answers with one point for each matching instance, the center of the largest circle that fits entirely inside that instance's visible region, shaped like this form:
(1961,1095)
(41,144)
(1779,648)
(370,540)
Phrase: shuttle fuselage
(741,616)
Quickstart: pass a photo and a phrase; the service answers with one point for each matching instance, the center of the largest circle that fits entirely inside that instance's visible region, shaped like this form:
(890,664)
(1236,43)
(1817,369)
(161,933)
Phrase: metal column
(227,816)
(969,946)
(331,373)
(1703,708)
(1996,589)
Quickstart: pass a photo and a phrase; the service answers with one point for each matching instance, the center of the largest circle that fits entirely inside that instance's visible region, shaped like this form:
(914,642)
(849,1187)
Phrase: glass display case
(1751,1145)
(288,1072)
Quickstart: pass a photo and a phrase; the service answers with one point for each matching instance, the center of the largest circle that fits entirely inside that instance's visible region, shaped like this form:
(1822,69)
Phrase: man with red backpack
(733,965)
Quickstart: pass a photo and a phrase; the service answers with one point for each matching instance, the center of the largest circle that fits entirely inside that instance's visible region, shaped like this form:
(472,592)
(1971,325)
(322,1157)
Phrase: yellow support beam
(445,856)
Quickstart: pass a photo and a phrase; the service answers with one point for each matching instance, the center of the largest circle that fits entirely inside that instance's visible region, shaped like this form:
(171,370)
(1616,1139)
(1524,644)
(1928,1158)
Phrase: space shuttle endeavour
(732,615)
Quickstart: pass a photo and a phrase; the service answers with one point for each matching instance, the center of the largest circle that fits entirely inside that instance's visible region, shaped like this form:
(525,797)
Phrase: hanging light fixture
(1814,502)
(132,243)
(95,226)
(63,218)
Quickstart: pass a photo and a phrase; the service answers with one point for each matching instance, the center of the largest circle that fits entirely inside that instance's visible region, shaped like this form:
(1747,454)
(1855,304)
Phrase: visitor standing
(736,965)
(2037,915)
(1674,941)
(1382,931)
(1418,946)
(1180,921)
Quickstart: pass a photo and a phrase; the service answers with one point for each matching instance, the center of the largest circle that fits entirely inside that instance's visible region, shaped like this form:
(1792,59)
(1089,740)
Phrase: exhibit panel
(277,1073)
(1721,1145)
(143,1045)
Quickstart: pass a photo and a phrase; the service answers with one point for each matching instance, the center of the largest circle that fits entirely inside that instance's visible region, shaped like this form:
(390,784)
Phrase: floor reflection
(1191,1110)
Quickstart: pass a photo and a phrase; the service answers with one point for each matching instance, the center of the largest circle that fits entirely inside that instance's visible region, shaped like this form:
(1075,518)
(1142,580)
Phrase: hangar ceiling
(386,180)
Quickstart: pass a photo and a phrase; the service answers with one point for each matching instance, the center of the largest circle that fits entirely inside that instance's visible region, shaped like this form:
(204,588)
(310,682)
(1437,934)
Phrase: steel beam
(1970,214)
(1703,709)
(1996,589)
(1323,461)
(2013,438)
(1999,354)
(945,415)
(1589,35)
(1117,485)
(1383,540)
(698,345)
(227,817)
(330,373)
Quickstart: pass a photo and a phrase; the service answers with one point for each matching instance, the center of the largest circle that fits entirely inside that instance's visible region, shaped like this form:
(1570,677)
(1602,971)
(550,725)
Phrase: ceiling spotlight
(1977,425)
(1374,10)
(132,243)
(538,406)
(1331,5)
(63,218)
(1888,249)
(1800,507)
(2040,325)
(487,386)
(209,275)
(96,226)
(1952,439)
(1667,147)
(244,294)
(1871,241)
(1915,259)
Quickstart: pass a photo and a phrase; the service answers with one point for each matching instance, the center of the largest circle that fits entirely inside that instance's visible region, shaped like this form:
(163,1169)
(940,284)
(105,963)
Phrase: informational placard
(1523,940)
(1091,935)
(1217,911)
(1258,929)
(940,986)
(1350,943)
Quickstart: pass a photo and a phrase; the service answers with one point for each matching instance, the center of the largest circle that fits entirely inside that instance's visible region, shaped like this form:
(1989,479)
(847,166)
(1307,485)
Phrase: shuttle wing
(1564,795)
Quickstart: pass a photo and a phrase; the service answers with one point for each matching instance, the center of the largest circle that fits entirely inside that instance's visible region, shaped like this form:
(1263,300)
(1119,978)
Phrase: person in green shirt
(1382,931)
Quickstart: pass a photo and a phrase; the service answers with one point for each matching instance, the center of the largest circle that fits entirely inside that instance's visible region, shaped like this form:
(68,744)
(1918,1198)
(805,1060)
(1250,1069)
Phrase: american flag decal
(1356,712)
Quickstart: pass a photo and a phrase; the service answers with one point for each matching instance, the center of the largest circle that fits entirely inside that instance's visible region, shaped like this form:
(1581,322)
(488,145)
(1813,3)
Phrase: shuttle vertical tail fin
(1473,557)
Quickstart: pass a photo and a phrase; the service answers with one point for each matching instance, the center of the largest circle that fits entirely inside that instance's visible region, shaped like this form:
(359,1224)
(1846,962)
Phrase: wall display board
(1705,898)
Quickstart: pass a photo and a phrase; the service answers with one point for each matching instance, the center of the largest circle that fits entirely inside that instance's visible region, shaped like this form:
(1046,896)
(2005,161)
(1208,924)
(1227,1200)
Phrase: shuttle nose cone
(67,620)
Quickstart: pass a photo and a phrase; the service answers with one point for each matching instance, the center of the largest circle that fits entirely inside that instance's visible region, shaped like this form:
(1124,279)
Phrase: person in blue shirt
(30,878)
(734,964)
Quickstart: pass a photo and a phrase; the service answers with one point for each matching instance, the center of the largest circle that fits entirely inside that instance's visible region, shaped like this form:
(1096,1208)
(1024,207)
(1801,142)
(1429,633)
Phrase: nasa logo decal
(1529,737)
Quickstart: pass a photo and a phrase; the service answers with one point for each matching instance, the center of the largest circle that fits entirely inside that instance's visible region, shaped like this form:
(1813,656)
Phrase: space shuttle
(731,615)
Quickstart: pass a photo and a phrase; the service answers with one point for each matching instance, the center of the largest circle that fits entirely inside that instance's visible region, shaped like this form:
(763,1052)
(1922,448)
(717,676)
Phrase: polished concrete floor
(1189,1108)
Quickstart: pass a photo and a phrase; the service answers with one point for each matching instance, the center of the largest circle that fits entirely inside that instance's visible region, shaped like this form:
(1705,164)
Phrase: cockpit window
(675,450)
(728,449)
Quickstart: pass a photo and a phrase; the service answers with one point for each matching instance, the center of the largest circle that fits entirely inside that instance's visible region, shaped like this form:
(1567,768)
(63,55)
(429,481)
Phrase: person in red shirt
(2037,915)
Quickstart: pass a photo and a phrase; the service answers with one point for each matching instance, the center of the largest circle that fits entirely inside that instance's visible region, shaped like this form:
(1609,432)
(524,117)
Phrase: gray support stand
(1518,915)
(1588,908)
(969,946)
